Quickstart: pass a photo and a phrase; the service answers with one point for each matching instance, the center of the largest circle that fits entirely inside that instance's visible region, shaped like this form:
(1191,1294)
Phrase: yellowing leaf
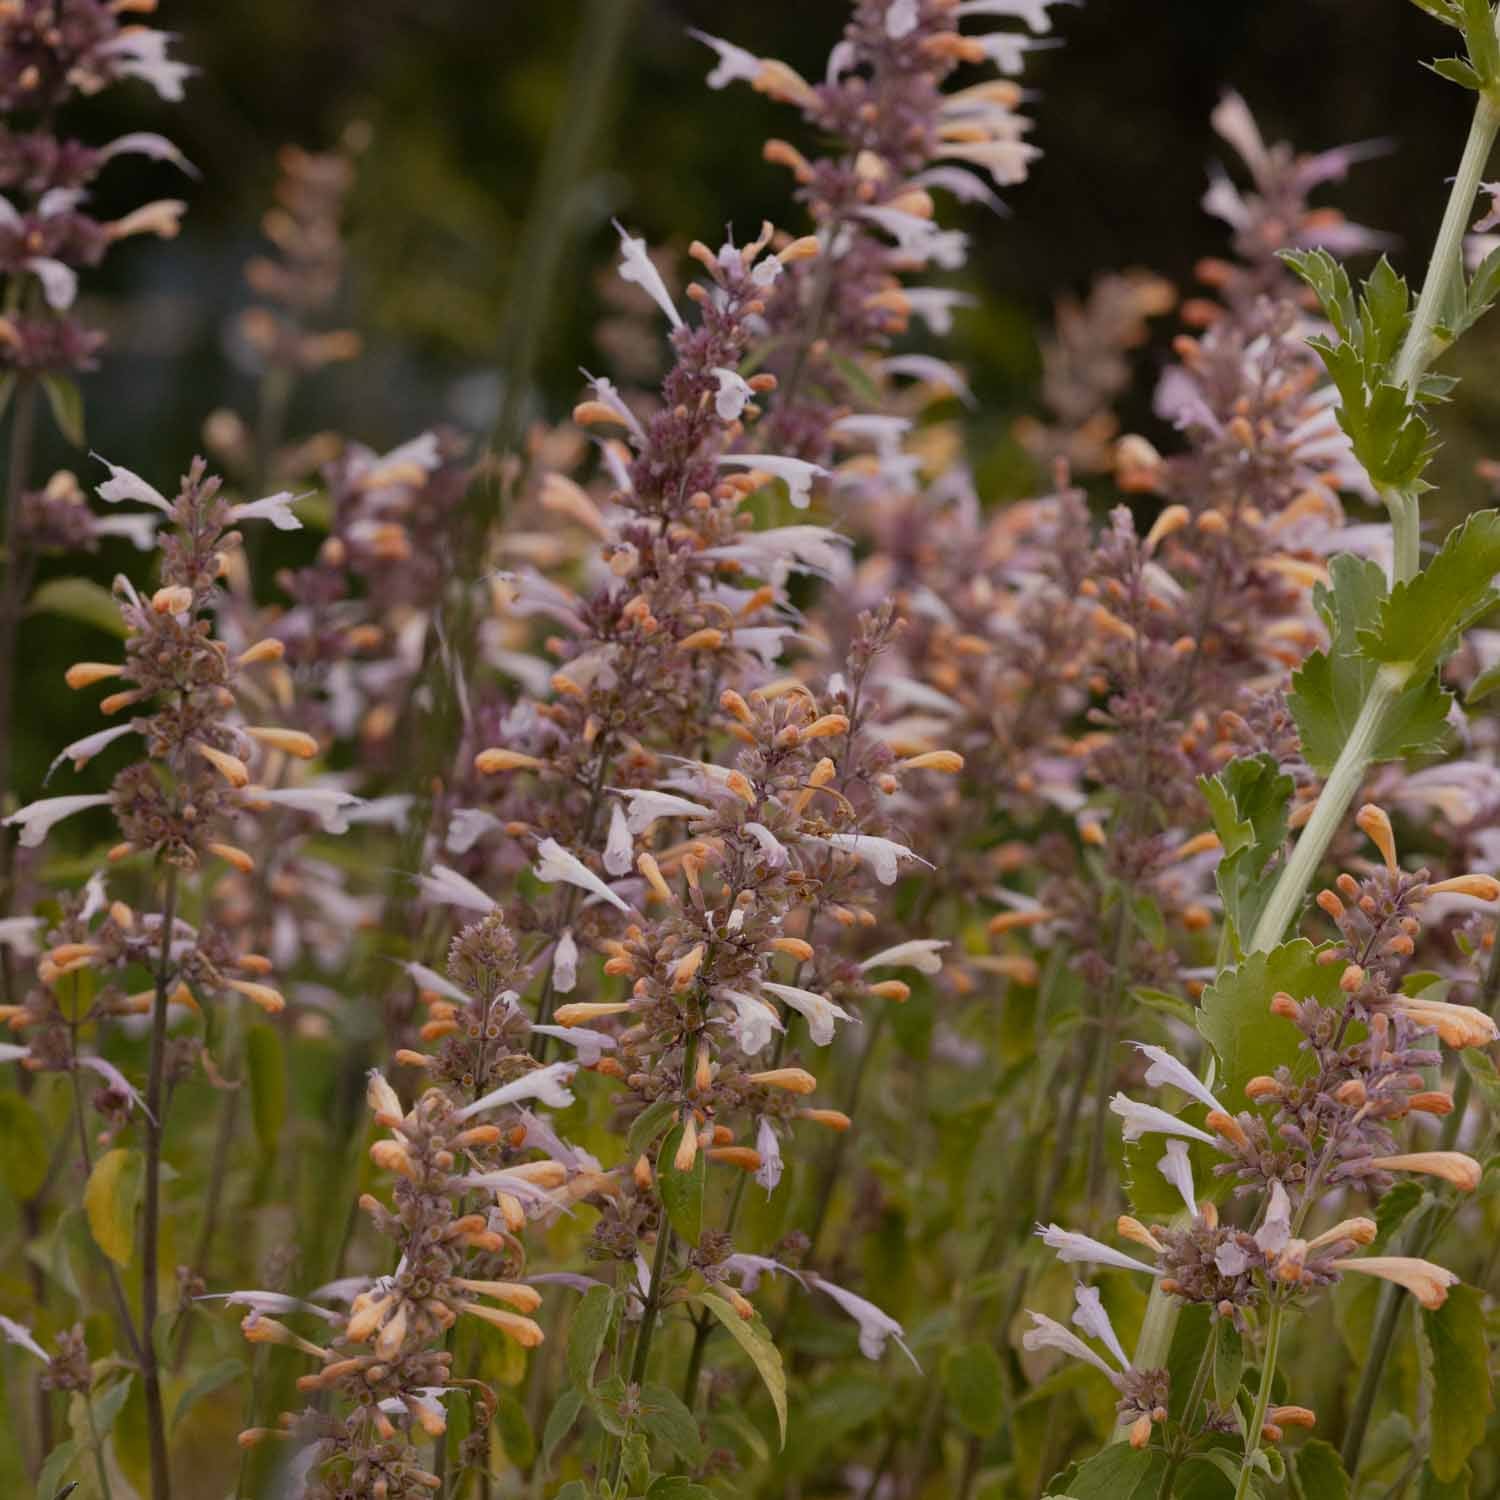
(110,1200)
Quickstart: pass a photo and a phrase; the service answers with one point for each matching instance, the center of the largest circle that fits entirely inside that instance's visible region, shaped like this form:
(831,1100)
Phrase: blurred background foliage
(461,98)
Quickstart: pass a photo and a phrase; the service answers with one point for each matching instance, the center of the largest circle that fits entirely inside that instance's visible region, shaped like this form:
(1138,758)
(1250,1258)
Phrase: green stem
(96,1443)
(1262,1400)
(1421,347)
(1344,781)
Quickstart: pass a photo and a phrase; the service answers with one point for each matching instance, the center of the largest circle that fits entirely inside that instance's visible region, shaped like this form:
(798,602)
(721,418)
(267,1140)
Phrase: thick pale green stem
(1420,347)
(1333,803)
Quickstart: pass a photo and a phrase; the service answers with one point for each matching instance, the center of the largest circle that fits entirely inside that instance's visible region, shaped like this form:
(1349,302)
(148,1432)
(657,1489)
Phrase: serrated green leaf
(24,1149)
(1235,1015)
(1248,802)
(682,1192)
(587,1333)
(664,1416)
(265,1062)
(1455,70)
(1383,315)
(110,1199)
(1330,284)
(66,403)
(1330,687)
(1483,288)
(1422,619)
(974,1382)
(79,599)
(1319,1472)
(1446,11)
(1460,1374)
(647,1125)
(756,1342)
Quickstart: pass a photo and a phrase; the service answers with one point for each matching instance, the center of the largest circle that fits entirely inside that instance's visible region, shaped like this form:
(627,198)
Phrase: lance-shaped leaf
(1458,1365)
(753,1338)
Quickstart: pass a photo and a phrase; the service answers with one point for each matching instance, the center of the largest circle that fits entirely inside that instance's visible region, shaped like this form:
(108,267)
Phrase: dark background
(462,95)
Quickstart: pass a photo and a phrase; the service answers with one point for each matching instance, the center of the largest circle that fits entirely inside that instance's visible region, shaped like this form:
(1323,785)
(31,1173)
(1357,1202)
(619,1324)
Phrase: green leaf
(675,1487)
(1383,315)
(1479,34)
(265,1062)
(1422,619)
(110,1199)
(1460,1374)
(1433,1488)
(586,1335)
(1446,11)
(1118,1473)
(1235,1016)
(1330,283)
(49,1482)
(66,401)
(974,1381)
(1455,70)
(1164,1004)
(1248,801)
(574,1489)
(1483,288)
(560,1421)
(1481,1071)
(1394,1209)
(635,1455)
(1483,685)
(647,1125)
(682,1192)
(756,1342)
(1229,1363)
(1318,1472)
(23,1146)
(1330,687)
(214,1378)
(664,1416)
(79,599)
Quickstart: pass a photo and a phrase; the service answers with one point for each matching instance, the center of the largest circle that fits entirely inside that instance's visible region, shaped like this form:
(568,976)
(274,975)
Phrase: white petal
(768,1144)
(277,509)
(1178,1170)
(467,826)
(549,1085)
(123,485)
(430,979)
(619,847)
(21,1336)
(447,887)
(1073,1248)
(1147,1119)
(1165,1069)
(333,808)
(36,819)
(59,282)
(19,934)
(1048,1333)
(920,954)
(565,963)
(81,752)
(636,266)
(819,1010)
(556,863)
(1090,1316)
